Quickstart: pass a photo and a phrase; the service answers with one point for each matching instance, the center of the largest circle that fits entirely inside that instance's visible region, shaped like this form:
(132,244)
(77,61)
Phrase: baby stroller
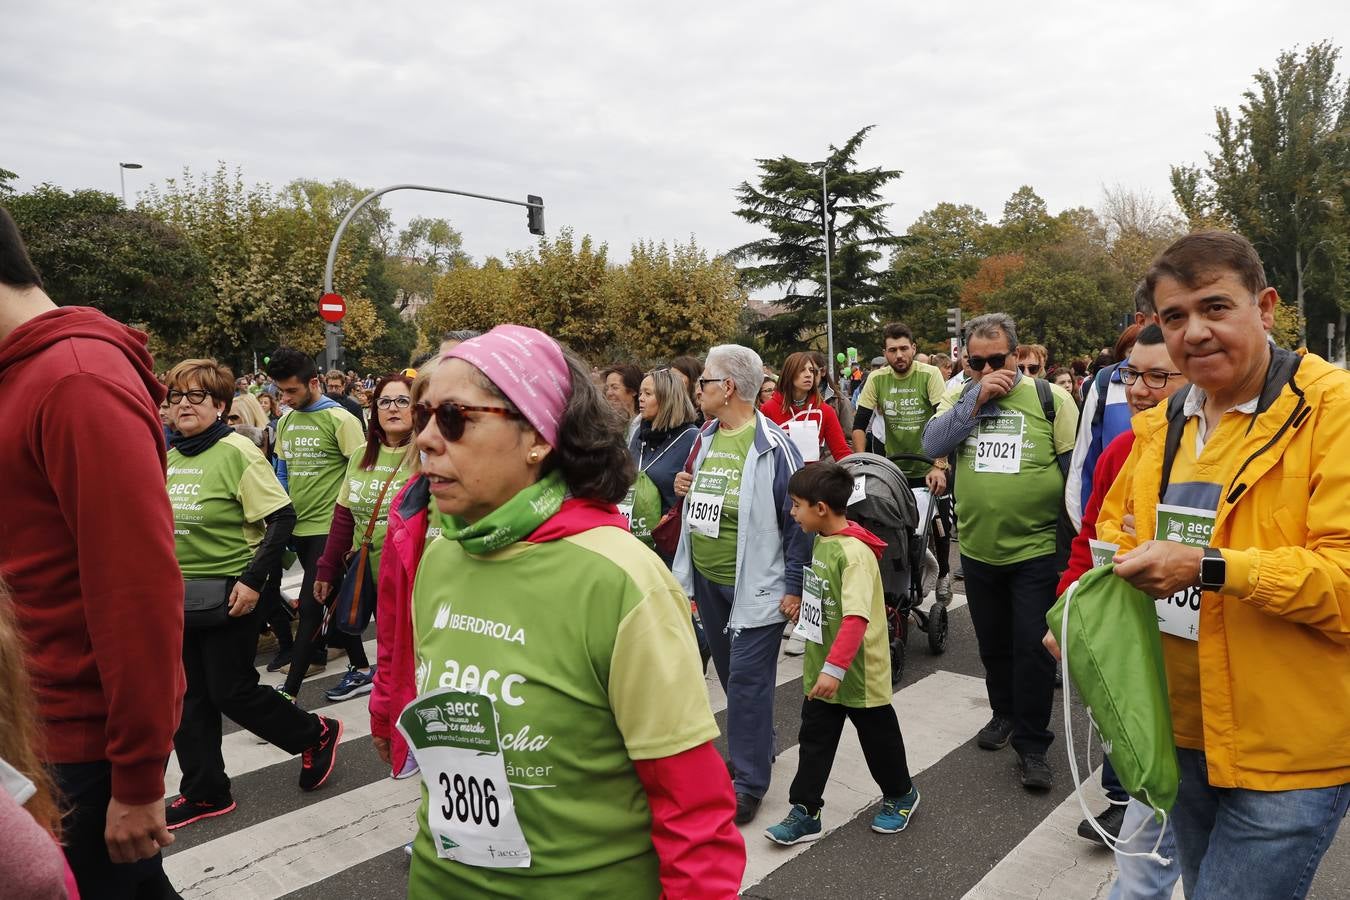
(884,504)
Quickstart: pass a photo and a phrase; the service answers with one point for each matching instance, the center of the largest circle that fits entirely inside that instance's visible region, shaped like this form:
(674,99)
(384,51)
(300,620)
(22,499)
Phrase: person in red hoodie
(797,404)
(86,543)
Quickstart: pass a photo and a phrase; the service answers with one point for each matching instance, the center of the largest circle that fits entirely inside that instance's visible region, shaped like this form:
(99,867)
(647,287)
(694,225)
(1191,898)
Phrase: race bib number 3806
(470,811)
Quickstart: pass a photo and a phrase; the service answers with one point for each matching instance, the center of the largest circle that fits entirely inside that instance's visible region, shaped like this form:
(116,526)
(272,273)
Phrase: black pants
(1007,607)
(86,789)
(275,614)
(309,643)
(882,745)
(221,680)
(942,538)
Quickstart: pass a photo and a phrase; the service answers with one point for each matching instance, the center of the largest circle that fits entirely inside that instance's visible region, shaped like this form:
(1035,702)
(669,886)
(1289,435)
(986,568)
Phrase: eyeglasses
(1154,378)
(196,398)
(994,360)
(389,402)
(704,381)
(450,417)
(1029,368)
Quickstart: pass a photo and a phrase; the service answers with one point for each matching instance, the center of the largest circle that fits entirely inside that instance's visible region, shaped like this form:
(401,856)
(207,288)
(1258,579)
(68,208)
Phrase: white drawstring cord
(1115,844)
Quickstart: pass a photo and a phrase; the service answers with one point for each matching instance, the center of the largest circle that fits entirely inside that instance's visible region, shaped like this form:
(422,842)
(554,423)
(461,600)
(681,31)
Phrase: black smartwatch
(1213,569)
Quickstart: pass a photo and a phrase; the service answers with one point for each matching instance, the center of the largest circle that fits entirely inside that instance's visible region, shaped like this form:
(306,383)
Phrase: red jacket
(693,806)
(775,409)
(1104,475)
(86,543)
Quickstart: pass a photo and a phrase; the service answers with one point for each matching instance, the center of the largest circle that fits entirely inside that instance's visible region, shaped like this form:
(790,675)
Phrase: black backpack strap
(1176,424)
(1047,397)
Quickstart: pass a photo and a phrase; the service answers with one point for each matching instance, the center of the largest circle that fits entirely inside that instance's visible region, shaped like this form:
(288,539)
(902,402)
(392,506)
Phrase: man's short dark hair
(896,330)
(1150,336)
(16,269)
(823,482)
(288,362)
(1143,299)
(1202,258)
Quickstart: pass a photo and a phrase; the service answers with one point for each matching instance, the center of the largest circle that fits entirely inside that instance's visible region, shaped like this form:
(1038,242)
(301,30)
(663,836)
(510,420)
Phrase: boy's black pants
(882,746)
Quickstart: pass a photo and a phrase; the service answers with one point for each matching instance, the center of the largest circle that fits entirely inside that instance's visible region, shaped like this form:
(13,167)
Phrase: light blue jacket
(771,548)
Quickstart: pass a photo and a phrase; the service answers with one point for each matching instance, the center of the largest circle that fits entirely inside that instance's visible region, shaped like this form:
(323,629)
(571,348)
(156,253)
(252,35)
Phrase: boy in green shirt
(847,667)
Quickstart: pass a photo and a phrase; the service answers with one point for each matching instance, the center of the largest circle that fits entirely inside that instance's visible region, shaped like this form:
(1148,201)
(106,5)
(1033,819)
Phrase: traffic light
(534,213)
(954,321)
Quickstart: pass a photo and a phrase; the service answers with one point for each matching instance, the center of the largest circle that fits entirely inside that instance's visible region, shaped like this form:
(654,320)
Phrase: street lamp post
(534,220)
(829,303)
(122,177)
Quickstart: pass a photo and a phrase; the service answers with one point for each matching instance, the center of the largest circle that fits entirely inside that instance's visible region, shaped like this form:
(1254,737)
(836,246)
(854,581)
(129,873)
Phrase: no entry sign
(332,307)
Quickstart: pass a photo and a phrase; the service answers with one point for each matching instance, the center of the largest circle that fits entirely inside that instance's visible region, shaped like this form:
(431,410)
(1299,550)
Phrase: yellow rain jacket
(1274,648)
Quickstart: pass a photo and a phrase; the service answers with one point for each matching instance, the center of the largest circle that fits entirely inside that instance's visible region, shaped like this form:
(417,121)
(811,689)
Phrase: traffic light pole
(533,204)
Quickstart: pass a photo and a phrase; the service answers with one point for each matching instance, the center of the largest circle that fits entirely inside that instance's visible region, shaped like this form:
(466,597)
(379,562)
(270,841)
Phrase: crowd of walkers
(551,554)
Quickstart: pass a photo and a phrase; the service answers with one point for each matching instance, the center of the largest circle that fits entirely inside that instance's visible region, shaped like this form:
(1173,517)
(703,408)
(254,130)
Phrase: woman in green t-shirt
(232,520)
(374,475)
(556,760)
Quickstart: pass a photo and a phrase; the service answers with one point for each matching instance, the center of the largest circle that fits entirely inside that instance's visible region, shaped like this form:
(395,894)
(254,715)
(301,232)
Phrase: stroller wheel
(897,662)
(937,629)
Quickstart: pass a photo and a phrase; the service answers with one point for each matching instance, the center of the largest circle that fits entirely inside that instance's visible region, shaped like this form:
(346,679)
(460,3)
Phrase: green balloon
(266,360)
(841,357)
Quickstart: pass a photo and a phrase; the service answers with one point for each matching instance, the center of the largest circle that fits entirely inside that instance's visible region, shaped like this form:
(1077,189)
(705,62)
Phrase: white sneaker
(944,590)
(796,646)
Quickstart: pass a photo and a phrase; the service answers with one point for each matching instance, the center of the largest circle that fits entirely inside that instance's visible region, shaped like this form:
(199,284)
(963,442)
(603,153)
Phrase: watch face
(1213,572)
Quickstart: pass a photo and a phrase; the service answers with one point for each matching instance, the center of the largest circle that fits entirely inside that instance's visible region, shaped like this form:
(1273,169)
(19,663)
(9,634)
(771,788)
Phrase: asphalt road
(977,833)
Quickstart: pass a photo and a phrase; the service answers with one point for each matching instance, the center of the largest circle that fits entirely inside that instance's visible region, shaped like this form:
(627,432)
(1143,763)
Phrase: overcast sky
(632,120)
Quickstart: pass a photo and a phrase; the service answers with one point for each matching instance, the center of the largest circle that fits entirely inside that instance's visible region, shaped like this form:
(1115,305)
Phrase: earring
(534,456)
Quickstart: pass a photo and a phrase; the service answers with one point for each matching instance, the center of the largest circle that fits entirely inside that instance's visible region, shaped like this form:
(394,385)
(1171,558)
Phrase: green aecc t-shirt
(316,447)
(715,558)
(585,647)
(851,579)
(906,403)
(361,488)
(219,499)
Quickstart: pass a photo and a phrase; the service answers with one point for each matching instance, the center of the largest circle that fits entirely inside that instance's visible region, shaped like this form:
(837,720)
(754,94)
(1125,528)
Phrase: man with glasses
(1233,499)
(314,440)
(1014,436)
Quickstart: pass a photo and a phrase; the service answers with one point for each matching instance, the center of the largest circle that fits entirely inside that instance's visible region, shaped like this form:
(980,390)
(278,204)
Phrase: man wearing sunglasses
(1013,435)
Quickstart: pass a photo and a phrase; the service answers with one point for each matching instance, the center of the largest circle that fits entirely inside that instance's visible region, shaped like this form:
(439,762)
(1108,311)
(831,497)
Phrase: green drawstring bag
(1108,637)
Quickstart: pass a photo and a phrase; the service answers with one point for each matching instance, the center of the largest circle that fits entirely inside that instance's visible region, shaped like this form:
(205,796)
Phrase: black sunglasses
(450,417)
(996,360)
(703,381)
(1030,369)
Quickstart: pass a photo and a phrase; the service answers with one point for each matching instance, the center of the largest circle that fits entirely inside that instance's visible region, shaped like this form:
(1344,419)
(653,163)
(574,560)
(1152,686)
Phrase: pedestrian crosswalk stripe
(937,714)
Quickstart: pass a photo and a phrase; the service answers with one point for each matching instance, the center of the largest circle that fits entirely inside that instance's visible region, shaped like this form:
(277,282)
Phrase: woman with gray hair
(741,555)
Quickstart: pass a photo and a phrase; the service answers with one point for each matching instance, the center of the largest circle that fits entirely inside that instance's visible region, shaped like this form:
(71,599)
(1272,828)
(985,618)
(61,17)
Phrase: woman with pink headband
(557,759)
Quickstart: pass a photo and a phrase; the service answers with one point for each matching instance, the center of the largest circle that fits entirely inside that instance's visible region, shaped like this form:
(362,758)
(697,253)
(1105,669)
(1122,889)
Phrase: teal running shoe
(799,826)
(896,812)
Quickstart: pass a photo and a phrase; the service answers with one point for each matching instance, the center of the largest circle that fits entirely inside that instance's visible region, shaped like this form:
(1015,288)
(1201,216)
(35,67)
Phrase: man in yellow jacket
(1232,507)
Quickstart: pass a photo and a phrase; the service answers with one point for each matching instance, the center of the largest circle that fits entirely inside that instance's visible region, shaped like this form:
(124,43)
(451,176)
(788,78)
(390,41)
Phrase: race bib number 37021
(998,443)
(470,811)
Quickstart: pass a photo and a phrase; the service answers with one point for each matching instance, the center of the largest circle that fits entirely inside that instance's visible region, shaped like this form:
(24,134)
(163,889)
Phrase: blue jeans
(1138,878)
(1238,844)
(747,665)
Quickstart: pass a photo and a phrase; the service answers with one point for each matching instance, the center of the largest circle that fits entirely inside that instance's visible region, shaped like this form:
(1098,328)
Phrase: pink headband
(528,367)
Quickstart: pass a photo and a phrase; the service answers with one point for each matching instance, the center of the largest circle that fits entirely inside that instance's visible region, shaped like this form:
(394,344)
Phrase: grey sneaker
(944,590)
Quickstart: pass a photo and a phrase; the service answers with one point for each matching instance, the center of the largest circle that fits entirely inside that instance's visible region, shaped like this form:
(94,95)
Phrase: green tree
(560,292)
(1064,310)
(943,249)
(787,202)
(132,265)
(1279,177)
(669,302)
(265,253)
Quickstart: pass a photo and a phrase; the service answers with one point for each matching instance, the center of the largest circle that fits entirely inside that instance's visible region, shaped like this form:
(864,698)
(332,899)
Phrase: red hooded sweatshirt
(86,543)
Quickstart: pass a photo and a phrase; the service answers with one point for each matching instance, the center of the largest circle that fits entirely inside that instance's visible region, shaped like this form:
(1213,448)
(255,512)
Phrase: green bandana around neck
(510,522)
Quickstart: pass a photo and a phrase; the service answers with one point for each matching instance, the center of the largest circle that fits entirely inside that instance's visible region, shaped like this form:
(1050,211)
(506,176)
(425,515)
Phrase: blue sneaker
(896,812)
(799,827)
(353,684)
